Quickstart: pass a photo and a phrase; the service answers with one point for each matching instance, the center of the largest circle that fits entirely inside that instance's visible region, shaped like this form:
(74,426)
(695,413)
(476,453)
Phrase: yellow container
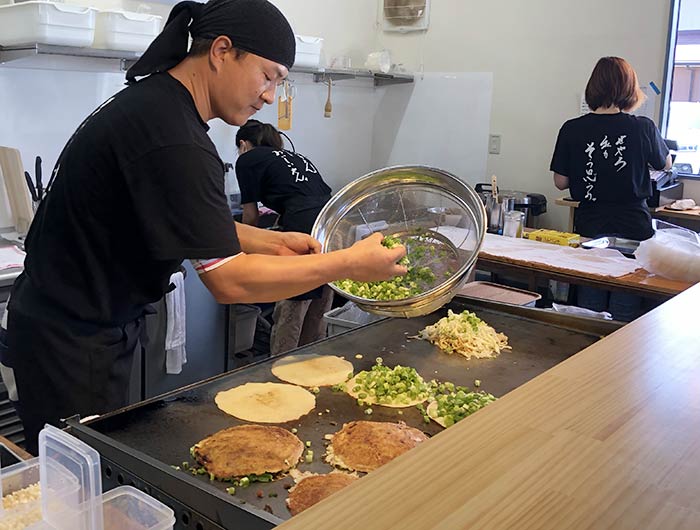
(555,237)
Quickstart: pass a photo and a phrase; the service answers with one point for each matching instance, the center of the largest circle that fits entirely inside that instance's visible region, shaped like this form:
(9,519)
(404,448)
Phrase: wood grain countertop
(607,439)
(639,282)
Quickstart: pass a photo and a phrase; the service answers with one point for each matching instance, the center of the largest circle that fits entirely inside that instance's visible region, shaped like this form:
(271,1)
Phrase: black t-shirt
(285,182)
(606,158)
(139,188)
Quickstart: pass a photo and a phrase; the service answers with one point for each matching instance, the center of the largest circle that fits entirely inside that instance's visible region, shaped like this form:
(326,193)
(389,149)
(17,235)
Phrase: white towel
(11,258)
(175,355)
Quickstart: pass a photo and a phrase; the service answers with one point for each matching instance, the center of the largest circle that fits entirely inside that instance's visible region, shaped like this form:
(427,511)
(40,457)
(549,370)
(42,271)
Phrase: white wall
(40,110)
(340,146)
(347,26)
(541,54)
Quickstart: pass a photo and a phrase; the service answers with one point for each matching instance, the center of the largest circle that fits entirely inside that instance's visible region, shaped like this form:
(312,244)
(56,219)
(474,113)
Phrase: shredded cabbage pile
(466,334)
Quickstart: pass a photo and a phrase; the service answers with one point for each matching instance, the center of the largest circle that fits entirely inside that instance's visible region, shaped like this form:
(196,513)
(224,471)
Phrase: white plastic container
(46,23)
(68,472)
(308,52)
(125,30)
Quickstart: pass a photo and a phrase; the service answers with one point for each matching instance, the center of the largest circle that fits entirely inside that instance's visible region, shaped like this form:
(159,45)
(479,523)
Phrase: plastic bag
(672,253)
(581,311)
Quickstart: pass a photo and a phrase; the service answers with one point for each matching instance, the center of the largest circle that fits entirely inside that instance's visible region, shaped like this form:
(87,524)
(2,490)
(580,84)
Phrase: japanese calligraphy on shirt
(298,176)
(617,160)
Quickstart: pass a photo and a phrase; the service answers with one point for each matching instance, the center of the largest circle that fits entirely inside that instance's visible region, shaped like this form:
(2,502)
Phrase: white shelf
(31,55)
(27,55)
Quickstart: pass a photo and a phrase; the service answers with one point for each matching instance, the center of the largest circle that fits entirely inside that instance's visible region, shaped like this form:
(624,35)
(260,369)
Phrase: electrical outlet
(494,144)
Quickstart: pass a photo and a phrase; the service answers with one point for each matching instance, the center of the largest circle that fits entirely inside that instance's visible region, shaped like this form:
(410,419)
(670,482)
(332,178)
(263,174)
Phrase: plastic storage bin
(308,52)
(46,23)
(242,324)
(15,481)
(126,508)
(125,30)
(347,317)
(68,472)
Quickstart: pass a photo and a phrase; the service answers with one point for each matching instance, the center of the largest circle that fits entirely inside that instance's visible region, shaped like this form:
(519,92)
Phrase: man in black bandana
(139,188)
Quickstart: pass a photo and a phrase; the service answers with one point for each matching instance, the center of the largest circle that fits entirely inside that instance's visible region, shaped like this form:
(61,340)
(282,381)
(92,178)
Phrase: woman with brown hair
(603,158)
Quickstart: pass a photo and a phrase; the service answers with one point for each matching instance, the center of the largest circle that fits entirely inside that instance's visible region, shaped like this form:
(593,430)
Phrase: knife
(30,185)
(37,171)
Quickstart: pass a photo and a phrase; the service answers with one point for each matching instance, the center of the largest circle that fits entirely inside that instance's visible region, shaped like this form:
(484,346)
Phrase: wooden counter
(687,215)
(639,282)
(609,438)
(658,212)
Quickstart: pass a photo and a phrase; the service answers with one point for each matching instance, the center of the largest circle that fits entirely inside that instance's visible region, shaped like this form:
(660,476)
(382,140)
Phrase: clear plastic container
(21,505)
(68,474)
(513,223)
(126,508)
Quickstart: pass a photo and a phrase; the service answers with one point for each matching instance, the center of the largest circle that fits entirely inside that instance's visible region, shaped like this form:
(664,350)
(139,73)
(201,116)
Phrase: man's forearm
(256,278)
(255,240)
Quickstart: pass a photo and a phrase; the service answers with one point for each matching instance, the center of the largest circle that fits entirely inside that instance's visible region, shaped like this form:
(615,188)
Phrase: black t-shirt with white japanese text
(606,158)
(139,188)
(284,181)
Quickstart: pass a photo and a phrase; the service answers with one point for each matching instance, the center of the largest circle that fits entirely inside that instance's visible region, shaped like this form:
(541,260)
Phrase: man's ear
(221,46)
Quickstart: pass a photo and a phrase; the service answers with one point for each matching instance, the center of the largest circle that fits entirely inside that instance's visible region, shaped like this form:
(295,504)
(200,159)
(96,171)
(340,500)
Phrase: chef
(139,188)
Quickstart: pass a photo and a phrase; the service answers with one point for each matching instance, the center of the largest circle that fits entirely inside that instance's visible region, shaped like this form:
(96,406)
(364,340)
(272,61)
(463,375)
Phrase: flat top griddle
(166,428)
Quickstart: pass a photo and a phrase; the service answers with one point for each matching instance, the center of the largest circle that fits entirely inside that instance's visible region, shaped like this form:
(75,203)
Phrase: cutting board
(16,186)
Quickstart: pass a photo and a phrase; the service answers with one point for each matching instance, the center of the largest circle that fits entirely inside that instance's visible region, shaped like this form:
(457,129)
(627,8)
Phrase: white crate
(46,23)
(125,30)
(308,52)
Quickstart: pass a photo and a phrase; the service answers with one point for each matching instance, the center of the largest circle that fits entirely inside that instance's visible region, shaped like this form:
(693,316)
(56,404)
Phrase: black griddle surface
(165,429)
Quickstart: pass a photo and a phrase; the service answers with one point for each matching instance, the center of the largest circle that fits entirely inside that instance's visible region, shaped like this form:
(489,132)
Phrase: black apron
(629,221)
(300,214)
(64,366)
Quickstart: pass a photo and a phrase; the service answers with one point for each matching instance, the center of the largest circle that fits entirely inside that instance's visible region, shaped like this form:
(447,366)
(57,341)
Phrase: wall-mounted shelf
(322,75)
(26,54)
(31,54)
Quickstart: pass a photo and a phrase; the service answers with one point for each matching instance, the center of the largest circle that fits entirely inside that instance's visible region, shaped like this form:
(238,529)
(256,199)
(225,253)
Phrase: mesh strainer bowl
(439,218)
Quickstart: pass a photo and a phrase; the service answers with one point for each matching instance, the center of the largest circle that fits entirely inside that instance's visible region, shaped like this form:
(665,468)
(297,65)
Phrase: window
(681,107)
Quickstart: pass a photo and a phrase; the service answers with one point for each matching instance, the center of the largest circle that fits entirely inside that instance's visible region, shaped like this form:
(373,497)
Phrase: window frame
(667,85)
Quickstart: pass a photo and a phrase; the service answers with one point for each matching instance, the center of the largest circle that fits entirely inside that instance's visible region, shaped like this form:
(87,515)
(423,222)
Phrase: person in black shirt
(289,184)
(603,158)
(138,188)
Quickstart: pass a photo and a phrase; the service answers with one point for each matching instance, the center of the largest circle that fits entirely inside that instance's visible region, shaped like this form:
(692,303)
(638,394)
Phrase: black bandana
(254,26)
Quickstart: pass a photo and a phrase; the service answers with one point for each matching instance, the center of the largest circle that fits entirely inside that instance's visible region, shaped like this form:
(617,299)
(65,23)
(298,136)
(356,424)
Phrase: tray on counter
(140,443)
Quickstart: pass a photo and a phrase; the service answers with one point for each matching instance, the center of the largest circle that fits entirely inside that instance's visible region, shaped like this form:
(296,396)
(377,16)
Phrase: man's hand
(372,261)
(258,241)
(296,243)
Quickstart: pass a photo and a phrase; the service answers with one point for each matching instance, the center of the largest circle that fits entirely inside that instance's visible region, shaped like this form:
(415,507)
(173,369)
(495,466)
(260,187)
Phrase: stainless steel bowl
(403,199)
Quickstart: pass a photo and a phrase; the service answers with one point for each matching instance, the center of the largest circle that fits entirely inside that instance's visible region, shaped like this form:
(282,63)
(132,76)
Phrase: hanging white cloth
(175,336)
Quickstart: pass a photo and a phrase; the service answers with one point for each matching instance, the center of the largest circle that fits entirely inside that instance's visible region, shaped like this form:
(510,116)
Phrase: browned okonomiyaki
(367,445)
(248,450)
(314,488)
